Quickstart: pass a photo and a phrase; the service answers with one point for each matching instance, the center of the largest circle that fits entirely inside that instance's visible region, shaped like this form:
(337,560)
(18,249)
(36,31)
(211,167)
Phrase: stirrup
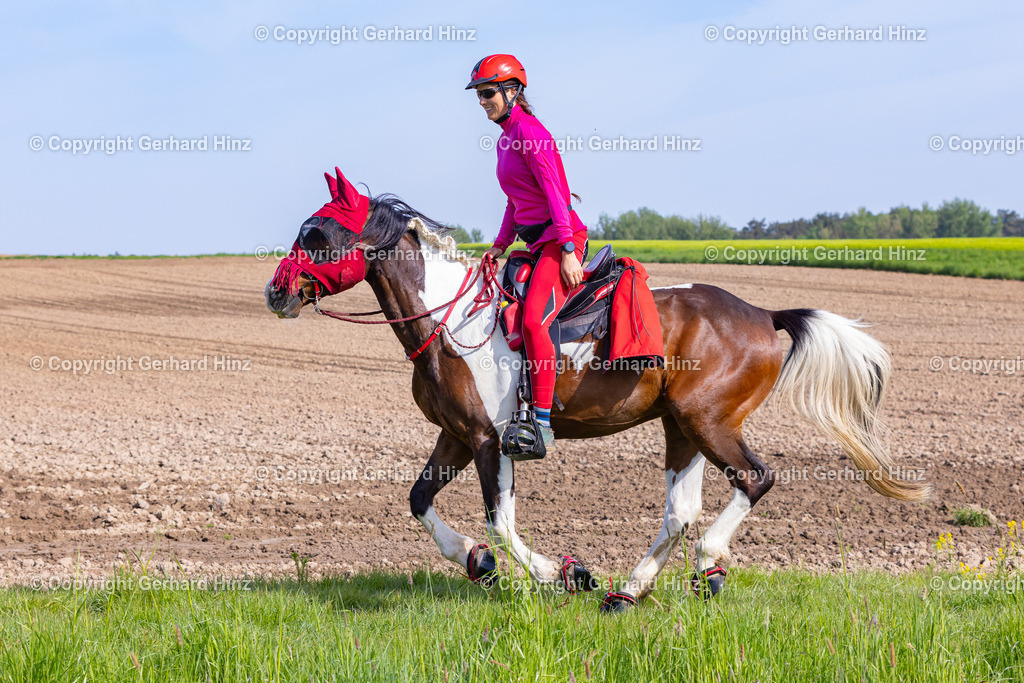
(523,439)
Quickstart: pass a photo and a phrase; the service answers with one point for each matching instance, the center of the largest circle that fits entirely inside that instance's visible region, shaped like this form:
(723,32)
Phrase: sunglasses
(486,93)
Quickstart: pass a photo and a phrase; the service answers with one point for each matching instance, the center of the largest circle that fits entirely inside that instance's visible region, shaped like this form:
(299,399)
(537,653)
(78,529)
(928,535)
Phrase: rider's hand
(494,253)
(572,271)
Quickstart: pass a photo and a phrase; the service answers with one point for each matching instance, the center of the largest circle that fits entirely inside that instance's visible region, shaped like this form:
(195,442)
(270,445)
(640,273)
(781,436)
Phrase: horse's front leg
(450,457)
(497,480)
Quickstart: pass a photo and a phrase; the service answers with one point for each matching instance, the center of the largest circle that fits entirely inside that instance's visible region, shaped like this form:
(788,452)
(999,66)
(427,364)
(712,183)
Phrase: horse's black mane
(389,220)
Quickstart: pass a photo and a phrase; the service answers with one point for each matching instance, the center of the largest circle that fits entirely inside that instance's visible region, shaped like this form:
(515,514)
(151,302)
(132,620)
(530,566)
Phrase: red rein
(488,293)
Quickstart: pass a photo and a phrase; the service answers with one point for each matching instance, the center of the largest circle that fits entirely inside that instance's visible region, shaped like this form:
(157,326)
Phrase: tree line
(642,224)
(955,218)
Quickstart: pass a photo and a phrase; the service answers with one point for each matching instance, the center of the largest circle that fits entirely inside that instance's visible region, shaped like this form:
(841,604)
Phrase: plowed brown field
(303,435)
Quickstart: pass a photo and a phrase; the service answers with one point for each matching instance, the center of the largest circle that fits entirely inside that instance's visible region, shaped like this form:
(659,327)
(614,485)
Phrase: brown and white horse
(834,375)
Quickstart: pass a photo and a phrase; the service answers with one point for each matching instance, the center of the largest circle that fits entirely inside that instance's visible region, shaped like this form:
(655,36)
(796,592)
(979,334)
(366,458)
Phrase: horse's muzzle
(281,302)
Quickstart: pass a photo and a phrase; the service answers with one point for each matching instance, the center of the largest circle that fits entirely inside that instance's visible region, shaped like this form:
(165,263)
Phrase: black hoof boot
(481,565)
(708,583)
(617,601)
(576,577)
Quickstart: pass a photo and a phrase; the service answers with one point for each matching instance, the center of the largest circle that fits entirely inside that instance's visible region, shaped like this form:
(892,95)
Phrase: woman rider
(538,211)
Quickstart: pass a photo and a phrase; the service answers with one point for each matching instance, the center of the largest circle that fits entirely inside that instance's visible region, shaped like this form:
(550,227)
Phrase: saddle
(613,304)
(586,310)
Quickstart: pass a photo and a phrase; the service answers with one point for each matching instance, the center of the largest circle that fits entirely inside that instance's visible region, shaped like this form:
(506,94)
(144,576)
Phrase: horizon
(277,253)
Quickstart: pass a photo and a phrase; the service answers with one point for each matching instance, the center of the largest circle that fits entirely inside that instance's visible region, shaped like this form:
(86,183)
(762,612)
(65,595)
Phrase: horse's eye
(315,243)
(325,240)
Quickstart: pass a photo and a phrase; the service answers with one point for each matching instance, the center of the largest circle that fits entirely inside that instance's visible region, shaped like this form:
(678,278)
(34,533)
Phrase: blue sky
(786,130)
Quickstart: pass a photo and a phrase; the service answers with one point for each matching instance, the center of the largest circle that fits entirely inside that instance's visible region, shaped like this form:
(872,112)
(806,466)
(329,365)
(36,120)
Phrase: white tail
(835,376)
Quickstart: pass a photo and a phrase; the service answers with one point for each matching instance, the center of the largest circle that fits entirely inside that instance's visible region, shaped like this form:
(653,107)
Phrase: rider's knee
(533,323)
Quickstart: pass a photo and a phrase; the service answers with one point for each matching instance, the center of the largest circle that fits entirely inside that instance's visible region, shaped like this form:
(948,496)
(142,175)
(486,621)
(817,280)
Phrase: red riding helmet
(496,69)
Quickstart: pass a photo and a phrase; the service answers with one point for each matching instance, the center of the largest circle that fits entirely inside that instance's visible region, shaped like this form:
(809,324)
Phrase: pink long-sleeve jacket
(530,172)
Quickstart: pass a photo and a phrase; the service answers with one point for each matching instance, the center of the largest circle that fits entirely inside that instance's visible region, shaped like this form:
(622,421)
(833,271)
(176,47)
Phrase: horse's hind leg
(750,479)
(450,456)
(684,477)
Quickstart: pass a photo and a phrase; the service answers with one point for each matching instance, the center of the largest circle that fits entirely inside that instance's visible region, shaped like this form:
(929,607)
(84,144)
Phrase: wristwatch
(569,247)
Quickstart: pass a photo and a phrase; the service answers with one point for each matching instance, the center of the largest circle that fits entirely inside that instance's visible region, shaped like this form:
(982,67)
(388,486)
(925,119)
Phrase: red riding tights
(544,298)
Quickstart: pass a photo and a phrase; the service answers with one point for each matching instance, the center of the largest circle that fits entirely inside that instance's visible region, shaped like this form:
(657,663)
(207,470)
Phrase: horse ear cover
(350,209)
(347,206)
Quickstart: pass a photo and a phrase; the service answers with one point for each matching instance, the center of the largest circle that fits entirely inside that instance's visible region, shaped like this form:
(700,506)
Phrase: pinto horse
(464,379)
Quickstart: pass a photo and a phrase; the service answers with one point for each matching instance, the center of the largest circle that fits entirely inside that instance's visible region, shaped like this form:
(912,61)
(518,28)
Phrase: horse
(723,358)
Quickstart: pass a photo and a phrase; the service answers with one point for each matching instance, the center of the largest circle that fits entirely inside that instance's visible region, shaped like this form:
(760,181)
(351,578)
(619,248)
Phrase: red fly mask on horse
(326,249)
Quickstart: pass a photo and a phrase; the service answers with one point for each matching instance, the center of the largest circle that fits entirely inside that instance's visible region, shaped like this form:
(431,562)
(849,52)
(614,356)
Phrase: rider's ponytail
(521,98)
(522,102)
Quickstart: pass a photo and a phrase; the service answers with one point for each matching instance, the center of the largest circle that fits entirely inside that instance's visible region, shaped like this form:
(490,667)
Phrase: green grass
(787,625)
(971,516)
(985,257)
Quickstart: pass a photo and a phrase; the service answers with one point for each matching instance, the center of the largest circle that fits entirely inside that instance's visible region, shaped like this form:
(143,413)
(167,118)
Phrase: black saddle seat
(597,274)
(601,265)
